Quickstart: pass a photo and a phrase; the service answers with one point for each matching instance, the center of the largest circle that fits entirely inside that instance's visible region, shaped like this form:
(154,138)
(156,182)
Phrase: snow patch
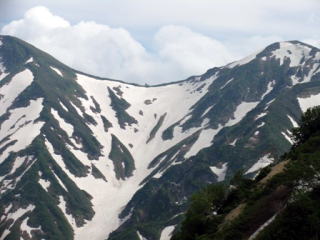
(30,60)
(204,140)
(59,181)
(63,206)
(24,128)
(67,127)
(63,106)
(220,172)
(116,193)
(240,112)
(263,226)
(294,123)
(140,236)
(18,161)
(12,90)
(57,71)
(234,142)
(308,102)
(261,163)
(224,85)
(261,124)
(15,216)
(166,233)
(287,137)
(26,228)
(206,111)
(294,52)
(44,183)
(269,89)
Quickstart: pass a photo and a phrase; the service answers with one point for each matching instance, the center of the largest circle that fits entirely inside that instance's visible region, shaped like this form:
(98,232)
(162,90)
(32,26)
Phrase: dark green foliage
(96,173)
(299,221)
(96,108)
(106,123)
(292,196)
(120,105)
(122,159)
(202,217)
(156,127)
(168,133)
(310,125)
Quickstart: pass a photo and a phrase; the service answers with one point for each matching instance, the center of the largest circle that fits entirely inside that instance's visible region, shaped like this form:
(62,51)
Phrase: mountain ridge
(104,152)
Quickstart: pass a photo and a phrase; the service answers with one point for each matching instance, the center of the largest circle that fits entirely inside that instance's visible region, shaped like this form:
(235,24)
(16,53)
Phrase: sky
(157,41)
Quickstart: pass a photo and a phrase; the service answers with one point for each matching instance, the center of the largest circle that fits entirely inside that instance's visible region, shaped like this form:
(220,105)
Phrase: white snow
(21,127)
(205,112)
(269,89)
(240,112)
(261,124)
(204,140)
(233,143)
(261,163)
(15,216)
(62,206)
(30,60)
(295,80)
(26,228)
(287,137)
(2,74)
(67,127)
(10,91)
(220,172)
(59,180)
(11,183)
(3,70)
(44,183)
(224,85)
(304,79)
(298,52)
(294,123)
(140,236)
(18,161)
(57,71)
(268,104)
(64,107)
(77,109)
(167,233)
(308,102)
(263,226)
(261,115)
(110,197)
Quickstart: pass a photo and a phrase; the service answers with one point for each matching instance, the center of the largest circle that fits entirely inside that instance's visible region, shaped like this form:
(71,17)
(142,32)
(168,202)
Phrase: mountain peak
(293,52)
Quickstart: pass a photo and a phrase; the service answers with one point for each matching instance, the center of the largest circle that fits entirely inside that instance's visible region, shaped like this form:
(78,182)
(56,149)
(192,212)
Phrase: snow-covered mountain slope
(84,157)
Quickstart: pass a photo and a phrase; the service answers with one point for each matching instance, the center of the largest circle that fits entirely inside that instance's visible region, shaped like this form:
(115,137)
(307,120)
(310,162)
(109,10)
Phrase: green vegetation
(120,105)
(290,199)
(106,123)
(156,127)
(122,159)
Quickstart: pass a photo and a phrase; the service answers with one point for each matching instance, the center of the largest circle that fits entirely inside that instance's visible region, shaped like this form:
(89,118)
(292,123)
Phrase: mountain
(282,202)
(86,157)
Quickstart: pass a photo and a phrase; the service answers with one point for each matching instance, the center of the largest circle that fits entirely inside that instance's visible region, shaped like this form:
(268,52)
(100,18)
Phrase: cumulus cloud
(174,52)
(112,52)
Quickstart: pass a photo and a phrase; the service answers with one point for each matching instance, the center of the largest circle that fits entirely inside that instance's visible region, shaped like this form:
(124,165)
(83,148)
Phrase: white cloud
(169,48)
(112,52)
(191,52)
